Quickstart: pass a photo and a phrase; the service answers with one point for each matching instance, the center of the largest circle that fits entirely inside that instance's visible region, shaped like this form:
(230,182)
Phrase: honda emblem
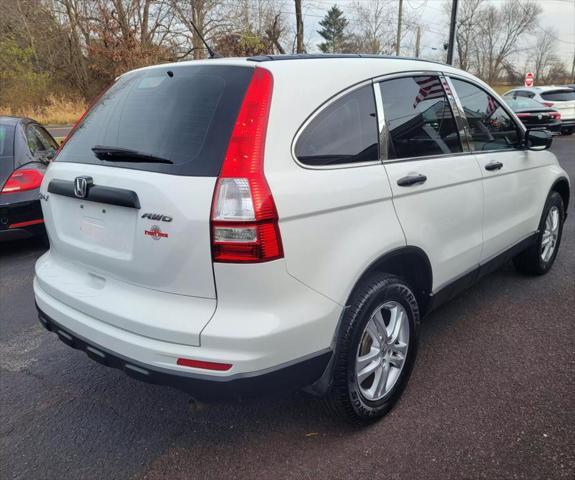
(81,186)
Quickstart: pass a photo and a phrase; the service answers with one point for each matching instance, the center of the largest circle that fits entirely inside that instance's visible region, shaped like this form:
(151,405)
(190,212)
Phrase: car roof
(12,120)
(364,66)
(546,88)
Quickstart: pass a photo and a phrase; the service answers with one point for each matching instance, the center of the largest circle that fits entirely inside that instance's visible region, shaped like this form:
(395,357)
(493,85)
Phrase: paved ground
(492,396)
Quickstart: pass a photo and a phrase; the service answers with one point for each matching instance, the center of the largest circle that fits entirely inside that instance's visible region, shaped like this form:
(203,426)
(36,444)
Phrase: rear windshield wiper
(116,154)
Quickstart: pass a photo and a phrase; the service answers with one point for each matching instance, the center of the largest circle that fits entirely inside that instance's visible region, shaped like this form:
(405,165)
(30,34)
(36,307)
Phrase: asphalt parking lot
(492,396)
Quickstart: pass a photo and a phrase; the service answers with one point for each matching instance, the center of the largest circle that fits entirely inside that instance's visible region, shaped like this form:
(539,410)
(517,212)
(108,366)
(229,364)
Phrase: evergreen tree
(333,30)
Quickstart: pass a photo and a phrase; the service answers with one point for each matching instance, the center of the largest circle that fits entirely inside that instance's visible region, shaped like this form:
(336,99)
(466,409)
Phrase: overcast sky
(559,14)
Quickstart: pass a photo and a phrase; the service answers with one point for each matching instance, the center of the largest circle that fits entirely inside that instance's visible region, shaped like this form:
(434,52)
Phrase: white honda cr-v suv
(239,226)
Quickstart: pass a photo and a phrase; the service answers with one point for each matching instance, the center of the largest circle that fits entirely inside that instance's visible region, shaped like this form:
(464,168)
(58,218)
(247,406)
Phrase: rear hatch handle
(94,193)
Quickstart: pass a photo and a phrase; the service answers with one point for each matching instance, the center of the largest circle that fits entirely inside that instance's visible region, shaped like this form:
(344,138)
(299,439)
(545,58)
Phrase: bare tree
(372,26)
(466,32)
(499,32)
(544,56)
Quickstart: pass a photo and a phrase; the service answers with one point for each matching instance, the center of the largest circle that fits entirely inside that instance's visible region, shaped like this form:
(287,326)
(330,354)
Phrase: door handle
(411,180)
(493,166)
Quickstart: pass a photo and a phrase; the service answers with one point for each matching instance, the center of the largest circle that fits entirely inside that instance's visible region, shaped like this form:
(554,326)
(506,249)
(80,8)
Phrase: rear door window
(559,95)
(491,127)
(184,114)
(345,132)
(6,140)
(419,118)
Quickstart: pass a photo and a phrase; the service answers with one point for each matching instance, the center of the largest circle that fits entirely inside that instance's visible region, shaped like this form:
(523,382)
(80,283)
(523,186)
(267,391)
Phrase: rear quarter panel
(334,222)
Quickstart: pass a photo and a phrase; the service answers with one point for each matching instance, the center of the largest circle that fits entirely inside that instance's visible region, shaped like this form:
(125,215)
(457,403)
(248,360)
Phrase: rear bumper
(20,216)
(283,378)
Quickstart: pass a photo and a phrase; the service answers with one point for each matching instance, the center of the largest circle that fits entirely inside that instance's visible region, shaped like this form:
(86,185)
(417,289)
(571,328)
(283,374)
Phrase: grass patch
(501,89)
(57,111)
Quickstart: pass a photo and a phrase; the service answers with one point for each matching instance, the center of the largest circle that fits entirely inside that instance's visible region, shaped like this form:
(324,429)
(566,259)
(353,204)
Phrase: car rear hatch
(129,199)
(562,100)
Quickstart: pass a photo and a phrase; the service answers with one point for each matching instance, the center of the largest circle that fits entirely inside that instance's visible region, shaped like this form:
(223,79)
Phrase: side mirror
(538,139)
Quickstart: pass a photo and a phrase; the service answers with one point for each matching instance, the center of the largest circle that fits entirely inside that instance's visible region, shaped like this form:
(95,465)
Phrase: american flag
(491,106)
(429,88)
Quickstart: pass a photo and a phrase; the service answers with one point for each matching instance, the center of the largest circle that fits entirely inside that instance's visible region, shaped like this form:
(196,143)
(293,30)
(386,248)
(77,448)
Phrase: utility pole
(417,41)
(299,27)
(452,26)
(573,69)
(398,41)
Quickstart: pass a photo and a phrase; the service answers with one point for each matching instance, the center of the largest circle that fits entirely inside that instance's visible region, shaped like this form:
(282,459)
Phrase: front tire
(376,349)
(539,258)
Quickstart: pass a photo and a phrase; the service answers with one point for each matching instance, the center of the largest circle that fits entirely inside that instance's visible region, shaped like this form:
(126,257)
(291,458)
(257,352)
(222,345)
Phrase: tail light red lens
(548,104)
(523,115)
(556,116)
(244,217)
(23,180)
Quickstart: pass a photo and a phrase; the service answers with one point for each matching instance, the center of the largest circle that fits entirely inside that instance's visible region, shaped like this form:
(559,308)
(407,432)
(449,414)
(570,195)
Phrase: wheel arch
(561,186)
(409,263)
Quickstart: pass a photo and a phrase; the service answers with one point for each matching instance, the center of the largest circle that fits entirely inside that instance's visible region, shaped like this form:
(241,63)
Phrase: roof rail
(316,56)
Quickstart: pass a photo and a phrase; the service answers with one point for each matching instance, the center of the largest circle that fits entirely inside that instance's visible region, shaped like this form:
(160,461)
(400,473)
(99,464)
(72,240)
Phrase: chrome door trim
(382,126)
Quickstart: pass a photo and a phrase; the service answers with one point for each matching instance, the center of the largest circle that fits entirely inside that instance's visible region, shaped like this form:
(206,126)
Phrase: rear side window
(523,93)
(490,125)
(6,140)
(344,132)
(559,95)
(39,142)
(184,114)
(418,117)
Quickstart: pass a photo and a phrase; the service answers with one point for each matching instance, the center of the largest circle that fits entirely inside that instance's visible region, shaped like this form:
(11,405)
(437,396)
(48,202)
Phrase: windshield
(520,103)
(183,114)
(566,95)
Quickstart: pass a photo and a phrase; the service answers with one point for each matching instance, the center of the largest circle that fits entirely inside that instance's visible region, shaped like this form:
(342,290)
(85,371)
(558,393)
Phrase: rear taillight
(244,218)
(523,115)
(548,104)
(556,116)
(22,180)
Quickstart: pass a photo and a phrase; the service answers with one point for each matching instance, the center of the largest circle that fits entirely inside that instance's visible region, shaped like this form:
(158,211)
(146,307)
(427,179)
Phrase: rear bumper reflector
(26,224)
(220,367)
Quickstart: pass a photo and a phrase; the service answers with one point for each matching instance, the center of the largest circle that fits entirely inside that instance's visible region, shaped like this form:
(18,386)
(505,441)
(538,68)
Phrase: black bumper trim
(282,379)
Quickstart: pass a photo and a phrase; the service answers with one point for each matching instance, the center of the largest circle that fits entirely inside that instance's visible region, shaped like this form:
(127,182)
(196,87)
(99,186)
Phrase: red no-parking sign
(529,79)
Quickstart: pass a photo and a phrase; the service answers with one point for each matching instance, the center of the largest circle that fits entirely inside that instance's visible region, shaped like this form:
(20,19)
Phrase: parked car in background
(533,114)
(26,148)
(561,99)
(218,244)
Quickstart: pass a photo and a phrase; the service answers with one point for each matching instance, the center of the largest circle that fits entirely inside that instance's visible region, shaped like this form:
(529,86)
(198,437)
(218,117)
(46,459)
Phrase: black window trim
(318,111)
(459,115)
(502,104)
(452,100)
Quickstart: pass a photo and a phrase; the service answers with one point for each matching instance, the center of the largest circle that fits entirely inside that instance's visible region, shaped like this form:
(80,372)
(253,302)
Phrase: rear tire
(376,349)
(539,258)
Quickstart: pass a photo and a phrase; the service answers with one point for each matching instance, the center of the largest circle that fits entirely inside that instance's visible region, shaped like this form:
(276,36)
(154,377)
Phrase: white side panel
(442,216)
(263,309)
(334,224)
(514,196)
